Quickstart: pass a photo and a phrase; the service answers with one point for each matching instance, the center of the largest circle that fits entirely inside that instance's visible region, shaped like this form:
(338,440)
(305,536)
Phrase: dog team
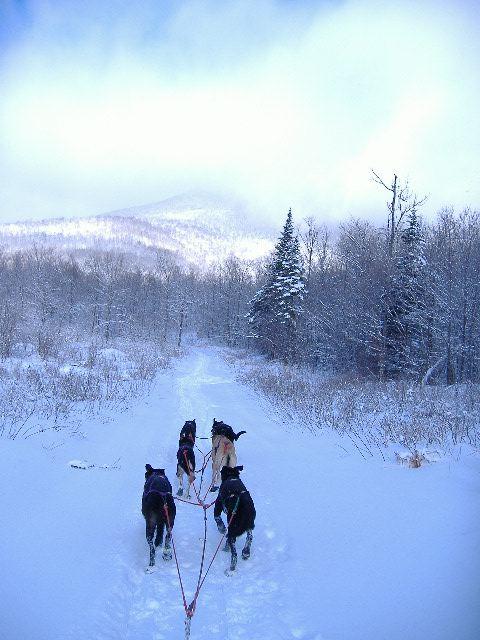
(158,503)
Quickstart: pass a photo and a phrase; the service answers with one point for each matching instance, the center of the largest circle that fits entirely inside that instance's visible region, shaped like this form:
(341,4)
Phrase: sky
(281,103)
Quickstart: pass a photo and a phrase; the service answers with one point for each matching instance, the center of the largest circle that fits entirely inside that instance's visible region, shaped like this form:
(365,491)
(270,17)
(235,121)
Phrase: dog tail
(237,435)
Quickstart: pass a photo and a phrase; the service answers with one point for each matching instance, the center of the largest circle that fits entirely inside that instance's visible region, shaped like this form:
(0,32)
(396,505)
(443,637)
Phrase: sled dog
(185,464)
(158,509)
(223,449)
(236,502)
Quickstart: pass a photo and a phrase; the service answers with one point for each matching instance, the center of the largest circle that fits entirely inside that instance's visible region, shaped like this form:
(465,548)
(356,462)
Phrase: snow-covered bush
(374,415)
(43,393)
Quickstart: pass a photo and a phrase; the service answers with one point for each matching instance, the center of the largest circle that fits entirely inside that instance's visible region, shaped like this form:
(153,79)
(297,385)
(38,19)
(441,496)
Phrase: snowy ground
(343,548)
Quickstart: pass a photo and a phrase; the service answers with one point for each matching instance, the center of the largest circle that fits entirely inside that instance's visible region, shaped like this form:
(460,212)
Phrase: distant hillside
(196,228)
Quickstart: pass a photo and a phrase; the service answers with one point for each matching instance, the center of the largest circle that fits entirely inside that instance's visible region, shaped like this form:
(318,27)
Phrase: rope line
(175,554)
(219,544)
(199,500)
(193,604)
(206,457)
(190,609)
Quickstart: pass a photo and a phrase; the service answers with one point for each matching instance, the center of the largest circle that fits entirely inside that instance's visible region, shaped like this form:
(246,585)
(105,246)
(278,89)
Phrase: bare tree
(402,203)
(9,321)
(310,239)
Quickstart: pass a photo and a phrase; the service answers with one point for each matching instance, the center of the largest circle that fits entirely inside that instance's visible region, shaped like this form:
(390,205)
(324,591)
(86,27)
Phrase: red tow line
(190,609)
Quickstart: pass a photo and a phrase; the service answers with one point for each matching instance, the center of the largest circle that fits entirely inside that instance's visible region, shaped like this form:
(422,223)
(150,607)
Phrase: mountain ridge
(195,229)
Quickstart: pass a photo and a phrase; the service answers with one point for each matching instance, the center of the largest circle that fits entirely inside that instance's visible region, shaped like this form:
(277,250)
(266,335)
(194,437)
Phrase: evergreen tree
(275,308)
(406,325)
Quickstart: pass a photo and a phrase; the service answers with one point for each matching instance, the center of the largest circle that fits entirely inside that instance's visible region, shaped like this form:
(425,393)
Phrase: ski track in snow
(342,549)
(149,605)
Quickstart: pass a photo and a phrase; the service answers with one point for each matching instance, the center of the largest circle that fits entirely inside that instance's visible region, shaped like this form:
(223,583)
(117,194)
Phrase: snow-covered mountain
(195,228)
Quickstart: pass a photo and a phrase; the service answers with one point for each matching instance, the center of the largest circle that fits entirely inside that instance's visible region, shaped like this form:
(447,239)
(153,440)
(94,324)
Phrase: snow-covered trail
(343,548)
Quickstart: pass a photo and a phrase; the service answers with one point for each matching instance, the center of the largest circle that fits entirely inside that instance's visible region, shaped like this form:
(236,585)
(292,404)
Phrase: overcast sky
(105,105)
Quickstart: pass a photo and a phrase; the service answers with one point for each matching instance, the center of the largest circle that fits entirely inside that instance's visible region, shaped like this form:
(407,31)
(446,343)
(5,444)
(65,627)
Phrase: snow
(343,549)
(199,228)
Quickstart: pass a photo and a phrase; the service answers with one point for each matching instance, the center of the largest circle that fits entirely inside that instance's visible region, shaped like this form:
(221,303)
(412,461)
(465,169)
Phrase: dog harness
(232,495)
(157,484)
(164,494)
(186,453)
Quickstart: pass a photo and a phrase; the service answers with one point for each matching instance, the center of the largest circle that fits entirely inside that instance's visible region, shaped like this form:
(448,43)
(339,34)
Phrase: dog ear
(148,467)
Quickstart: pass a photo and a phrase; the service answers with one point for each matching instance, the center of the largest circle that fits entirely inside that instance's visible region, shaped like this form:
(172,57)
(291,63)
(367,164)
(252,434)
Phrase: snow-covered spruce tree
(406,326)
(275,308)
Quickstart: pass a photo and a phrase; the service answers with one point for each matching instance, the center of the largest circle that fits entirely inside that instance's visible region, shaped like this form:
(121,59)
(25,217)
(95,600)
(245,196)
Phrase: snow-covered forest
(410,311)
(376,311)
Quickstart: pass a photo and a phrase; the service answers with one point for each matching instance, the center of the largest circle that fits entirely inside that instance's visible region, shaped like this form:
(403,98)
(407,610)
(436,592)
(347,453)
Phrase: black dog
(234,499)
(158,509)
(185,464)
(189,430)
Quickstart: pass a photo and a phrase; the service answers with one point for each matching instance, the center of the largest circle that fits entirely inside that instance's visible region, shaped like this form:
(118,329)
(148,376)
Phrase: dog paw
(180,491)
(167,555)
(246,554)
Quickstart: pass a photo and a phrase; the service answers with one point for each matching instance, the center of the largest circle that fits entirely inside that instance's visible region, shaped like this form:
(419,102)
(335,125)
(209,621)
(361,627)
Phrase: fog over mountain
(195,228)
(107,104)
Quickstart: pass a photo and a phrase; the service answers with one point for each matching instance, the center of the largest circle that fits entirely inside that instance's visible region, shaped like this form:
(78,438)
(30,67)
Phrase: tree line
(48,299)
(394,302)
(399,301)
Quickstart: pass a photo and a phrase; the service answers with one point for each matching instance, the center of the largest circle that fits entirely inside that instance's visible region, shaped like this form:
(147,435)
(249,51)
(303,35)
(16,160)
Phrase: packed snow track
(343,549)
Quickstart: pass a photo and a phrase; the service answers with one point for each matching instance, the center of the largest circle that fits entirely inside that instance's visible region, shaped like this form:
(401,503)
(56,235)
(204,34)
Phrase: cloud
(284,104)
